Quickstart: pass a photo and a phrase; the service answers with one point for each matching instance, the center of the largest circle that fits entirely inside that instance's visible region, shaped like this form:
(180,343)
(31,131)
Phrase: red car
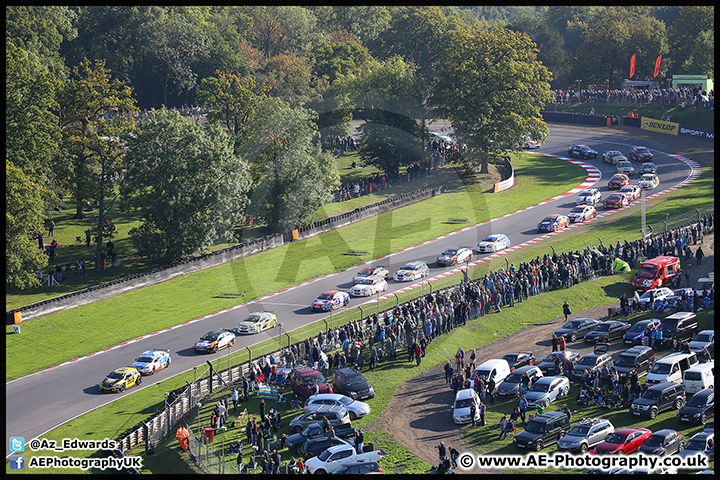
(303,380)
(616,200)
(618,181)
(623,441)
(641,154)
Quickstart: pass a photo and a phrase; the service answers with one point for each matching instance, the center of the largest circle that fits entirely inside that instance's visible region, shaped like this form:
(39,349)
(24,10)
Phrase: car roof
(629,430)
(465,393)
(544,417)
(306,371)
(525,369)
(665,432)
(664,385)
(549,379)
(327,408)
(493,362)
(326,396)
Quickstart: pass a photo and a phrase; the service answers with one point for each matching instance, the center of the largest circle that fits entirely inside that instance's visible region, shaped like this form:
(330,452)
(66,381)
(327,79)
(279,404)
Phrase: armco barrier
(507,183)
(565,117)
(160,274)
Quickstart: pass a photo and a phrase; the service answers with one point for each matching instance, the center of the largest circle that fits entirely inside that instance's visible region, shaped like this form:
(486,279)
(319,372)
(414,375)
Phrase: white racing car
(369,286)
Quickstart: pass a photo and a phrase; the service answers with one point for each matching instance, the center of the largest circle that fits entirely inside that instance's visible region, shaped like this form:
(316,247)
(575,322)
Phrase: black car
(576,328)
(519,359)
(548,366)
(314,446)
(359,467)
(297,440)
(640,359)
(543,430)
(699,408)
(607,331)
(678,327)
(352,383)
(582,151)
(663,442)
(594,361)
(658,398)
(648,167)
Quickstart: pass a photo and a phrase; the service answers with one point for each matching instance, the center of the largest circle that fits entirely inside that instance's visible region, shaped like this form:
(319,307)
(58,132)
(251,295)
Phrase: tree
(24,214)
(490,85)
(691,49)
(342,58)
(185,183)
(292,79)
(604,57)
(292,176)
(389,97)
(234,98)
(95,110)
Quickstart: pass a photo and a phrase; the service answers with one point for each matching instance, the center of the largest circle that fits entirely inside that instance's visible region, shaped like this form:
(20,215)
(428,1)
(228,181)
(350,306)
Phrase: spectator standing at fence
(699,254)
(235,397)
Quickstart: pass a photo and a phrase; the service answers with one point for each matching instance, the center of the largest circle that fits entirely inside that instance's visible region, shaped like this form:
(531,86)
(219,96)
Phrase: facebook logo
(17,444)
(17,462)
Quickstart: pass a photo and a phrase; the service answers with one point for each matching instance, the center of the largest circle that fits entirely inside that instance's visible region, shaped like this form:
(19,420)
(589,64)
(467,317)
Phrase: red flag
(632,65)
(657,66)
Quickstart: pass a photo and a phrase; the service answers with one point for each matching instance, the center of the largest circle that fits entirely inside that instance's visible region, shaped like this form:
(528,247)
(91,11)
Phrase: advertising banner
(661,126)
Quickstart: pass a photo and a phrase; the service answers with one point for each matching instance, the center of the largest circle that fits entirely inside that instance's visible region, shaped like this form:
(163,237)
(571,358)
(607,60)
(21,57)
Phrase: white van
(699,377)
(498,369)
(671,368)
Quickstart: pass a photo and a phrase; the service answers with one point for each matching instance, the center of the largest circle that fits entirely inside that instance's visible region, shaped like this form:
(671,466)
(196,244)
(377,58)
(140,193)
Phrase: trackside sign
(659,126)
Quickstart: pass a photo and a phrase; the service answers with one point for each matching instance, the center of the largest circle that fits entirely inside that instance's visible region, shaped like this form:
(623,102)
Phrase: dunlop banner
(661,126)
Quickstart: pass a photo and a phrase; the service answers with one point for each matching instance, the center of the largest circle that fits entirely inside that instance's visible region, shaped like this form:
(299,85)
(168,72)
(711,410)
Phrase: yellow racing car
(120,379)
(256,322)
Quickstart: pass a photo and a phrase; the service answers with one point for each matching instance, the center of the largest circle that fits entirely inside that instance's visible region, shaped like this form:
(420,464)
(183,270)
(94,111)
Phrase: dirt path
(418,415)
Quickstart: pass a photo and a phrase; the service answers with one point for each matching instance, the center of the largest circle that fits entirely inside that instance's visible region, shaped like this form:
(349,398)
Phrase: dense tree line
(82,83)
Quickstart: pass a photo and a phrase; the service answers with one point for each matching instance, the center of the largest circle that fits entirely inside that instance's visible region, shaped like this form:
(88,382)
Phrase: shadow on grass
(615,290)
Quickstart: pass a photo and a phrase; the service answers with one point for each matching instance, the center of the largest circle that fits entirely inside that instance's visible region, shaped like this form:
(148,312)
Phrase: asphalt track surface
(38,403)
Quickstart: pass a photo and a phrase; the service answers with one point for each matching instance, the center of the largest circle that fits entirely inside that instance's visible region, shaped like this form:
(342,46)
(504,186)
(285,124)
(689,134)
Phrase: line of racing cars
(590,197)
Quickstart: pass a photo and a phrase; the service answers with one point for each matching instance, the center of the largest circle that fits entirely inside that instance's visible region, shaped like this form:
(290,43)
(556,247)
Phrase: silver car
(335,415)
(355,408)
(586,434)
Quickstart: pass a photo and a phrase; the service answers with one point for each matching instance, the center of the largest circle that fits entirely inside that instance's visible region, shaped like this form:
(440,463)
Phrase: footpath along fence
(368,320)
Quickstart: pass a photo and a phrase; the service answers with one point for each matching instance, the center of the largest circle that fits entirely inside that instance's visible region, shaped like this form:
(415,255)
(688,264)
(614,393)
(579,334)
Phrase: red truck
(656,272)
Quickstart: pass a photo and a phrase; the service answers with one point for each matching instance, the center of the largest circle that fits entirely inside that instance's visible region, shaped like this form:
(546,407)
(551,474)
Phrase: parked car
(356,409)
(332,458)
(678,327)
(303,380)
(214,341)
(453,256)
(359,467)
(616,200)
(316,445)
(586,434)
(582,213)
(582,151)
(607,331)
(699,408)
(461,407)
(593,361)
(497,369)
(493,243)
(618,181)
(411,271)
(671,368)
(657,293)
(542,430)
(546,390)
(700,443)
(648,167)
(335,415)
(519,381)
(553,223)
(296,441)
(640,330)
(613,157)
(589,196)
(575,328)
(649,181)
(626,168)
(702,340)
(352,383)
(641,154)
(369,286)
(519,359)
(639,359)
(632,191)
(371,272)
(699,377)
(663,442)
(657,399)
(549,365)
(624,441)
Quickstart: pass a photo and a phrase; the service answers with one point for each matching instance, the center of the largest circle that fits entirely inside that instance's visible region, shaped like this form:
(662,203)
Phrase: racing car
(256,322)
(330,300)
(152,361)
(120,379)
